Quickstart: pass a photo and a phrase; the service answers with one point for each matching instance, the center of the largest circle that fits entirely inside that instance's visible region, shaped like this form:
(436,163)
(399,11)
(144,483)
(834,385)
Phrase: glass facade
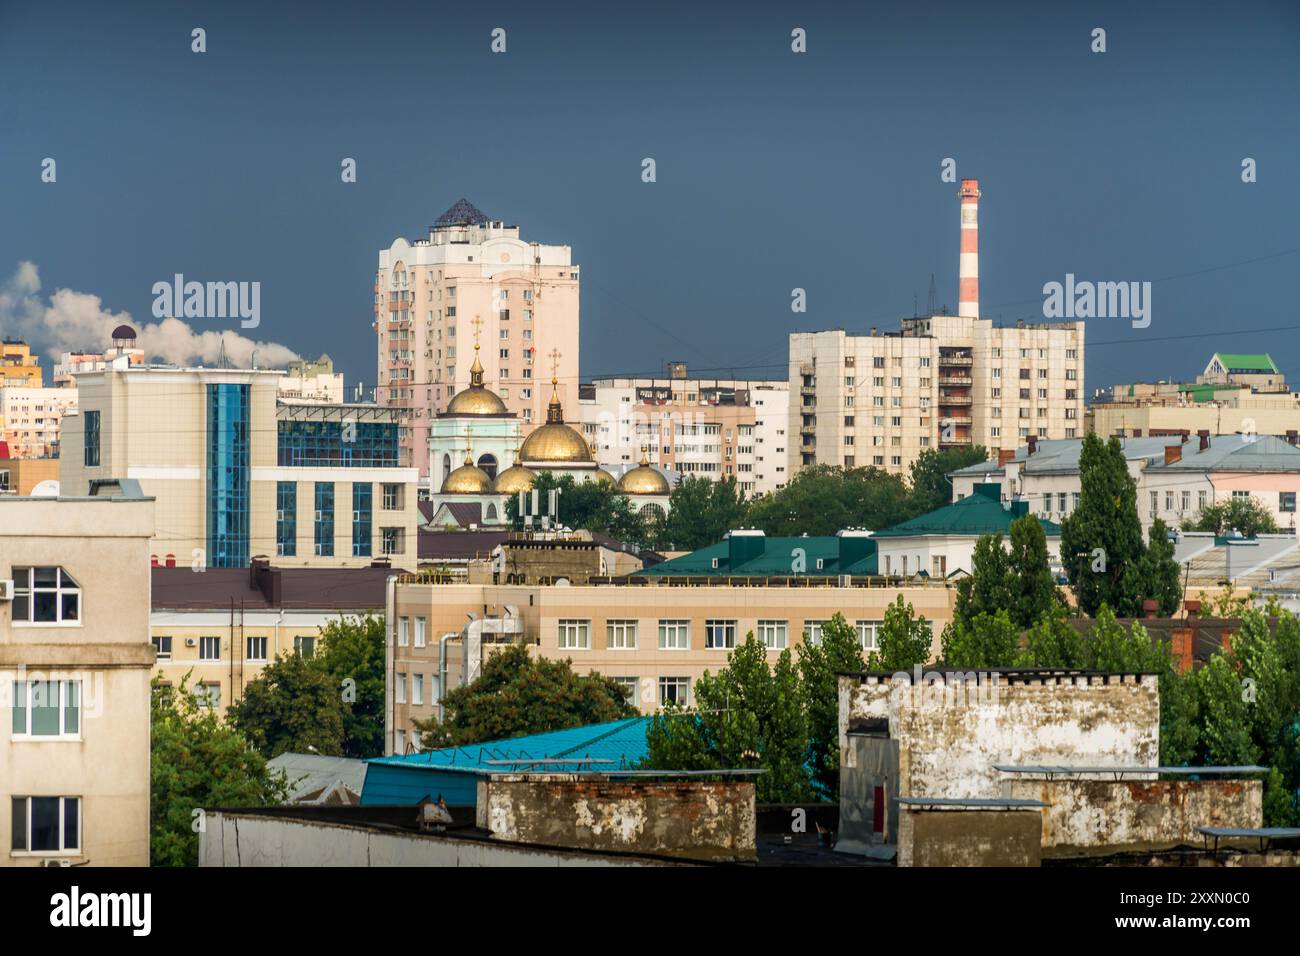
(337,444)
(92,438)
(363,497)
(228,476)
(325,519)
(286,518)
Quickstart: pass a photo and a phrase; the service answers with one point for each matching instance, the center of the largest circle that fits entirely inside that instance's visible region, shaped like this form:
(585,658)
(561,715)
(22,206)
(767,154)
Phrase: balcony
(961,380)
(808,429)
(949,401)
(952,360)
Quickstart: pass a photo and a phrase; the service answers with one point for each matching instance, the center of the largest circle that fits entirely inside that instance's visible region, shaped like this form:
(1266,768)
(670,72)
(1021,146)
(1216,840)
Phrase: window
(620,635)
(1285,501)
(46,596)
(1169,501)
(812,631)
(91,436)
(401,741)
(208,695)
(403,631)
(400,687)
(674,635)
(304,646)
(417,689)
(775,635)
(394,540)
(286,518)
(1186,499)
(420,629)
(674,690)
(1155,502)
(209,648)
(163,646)
(324,519)
(257,648)
(575,635)
(719,634)
(47,708)
(46,824)
(362,512)
(631,687)
(868,634)
(392,497)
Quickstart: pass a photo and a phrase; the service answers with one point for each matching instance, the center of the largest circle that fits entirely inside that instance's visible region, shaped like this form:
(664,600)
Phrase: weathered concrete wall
(950,738)
(249,840)
(1083,816)
(692,819)
(969,838)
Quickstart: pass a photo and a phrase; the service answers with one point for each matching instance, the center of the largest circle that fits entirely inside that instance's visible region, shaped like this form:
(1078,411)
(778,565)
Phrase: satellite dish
(49,488)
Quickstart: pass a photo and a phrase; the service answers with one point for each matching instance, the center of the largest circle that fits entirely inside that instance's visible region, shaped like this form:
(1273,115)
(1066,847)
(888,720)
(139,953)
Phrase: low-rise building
(30,418)
(74,678)
(28,476)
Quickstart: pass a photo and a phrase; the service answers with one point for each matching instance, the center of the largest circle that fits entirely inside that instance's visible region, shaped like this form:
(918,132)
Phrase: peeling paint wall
(969,838)
(950,739)
(693,819)
(240,840)
(1083,816)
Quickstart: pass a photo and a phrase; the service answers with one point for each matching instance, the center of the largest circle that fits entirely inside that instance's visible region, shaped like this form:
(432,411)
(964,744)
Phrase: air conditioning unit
(56,863)
(189,642)
(6,590)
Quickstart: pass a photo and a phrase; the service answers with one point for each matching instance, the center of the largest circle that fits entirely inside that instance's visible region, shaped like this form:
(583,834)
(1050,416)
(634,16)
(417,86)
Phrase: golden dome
(644,480)
(514,479)
(476,400)
(603,477)
(555,442)
(468,479)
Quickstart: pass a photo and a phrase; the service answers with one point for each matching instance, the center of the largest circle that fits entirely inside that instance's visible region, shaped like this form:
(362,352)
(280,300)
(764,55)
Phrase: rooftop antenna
(933,296)
(221,352)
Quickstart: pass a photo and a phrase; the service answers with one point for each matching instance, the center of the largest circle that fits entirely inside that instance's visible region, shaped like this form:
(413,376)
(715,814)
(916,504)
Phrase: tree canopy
(1245,515)
(292,707)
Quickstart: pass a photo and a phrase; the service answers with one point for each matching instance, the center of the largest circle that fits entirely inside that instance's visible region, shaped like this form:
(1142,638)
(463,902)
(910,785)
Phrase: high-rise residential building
(30,419)
(707,428)
(75,661)
(941,382)
(18,366)
(473,280)
(238,474)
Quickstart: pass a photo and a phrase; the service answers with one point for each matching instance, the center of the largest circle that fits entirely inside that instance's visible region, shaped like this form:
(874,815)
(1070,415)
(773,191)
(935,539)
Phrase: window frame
(567,627)
(680,628)
(766,625)
(61,707)
(625,628)
(63,849)
(30,590)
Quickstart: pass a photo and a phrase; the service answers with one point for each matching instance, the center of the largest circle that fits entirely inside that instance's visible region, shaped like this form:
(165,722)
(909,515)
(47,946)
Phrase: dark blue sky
(775,170)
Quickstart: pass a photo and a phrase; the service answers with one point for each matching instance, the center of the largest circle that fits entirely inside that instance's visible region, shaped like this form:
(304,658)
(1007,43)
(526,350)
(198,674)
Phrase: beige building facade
(238,474)
(654,639)
(941,382)
(18,366)
(74,677)
(473,279)
(30,419)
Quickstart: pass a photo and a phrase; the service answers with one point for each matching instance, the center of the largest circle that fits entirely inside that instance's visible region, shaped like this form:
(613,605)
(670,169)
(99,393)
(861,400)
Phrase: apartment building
(30,418)
(652,633)
(707,428)
(312,381)
(224,626)
(237,473)
(473,279)
(18,366)
(74,678)
(1176,476)
(944,381)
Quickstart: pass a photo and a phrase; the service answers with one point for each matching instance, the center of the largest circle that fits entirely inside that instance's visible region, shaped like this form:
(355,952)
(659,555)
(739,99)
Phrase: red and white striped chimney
(968,273)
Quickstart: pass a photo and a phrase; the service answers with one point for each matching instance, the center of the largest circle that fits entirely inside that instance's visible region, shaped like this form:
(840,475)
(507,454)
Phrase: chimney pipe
(1291,436)
(1204,436)
(1193,609)
(1149,608)
(968,272)
(1033,444)
(1173,453)
(1005,455)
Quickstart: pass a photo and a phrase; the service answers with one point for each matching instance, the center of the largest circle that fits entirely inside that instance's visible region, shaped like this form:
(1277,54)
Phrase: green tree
(990,640)
(700,513)
(824,499)
(1033,591)
(1102,536)
(291,707)
(1158,575)
(1053,643)
(931,488)
(1247,516)
(746,716)
(518,694)
(1225,724)
(197,762)
(352,650)
(987,589)
(839,651)
(589,505)
(905,639)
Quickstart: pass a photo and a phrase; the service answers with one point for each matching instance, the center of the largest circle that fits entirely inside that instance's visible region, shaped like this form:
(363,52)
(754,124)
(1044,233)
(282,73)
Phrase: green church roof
(1246,362)
(979,513)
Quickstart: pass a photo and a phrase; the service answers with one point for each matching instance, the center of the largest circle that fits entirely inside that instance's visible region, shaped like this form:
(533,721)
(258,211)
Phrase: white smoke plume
(77,321)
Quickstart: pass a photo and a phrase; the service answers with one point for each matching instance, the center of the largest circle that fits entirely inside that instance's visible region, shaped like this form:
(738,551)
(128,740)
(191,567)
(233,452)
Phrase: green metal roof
(1245,362)
(979,513)
(775,557)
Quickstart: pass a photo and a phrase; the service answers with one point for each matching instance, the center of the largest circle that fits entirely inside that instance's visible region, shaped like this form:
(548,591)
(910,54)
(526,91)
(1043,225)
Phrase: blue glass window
(363,496)
(228,476)
(325,519)
(337,444)
(286,518)
(92,438)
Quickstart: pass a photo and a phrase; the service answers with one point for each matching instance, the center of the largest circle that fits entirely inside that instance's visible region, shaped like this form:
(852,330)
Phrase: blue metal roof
(452,772)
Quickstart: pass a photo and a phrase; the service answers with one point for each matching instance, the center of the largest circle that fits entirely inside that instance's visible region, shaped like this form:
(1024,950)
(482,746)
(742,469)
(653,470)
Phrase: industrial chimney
(968,273)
